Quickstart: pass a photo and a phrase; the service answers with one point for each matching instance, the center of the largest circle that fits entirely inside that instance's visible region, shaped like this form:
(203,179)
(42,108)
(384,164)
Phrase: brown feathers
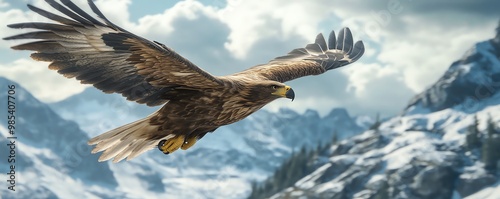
(314,59)
(110,58)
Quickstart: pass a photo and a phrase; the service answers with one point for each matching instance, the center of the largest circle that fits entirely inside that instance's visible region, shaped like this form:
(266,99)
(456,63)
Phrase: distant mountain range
(55,162)
(426,152)
(52,157)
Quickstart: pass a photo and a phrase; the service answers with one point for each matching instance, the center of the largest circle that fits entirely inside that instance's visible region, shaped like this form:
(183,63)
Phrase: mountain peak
(341,112)
(474,77)
(285,112)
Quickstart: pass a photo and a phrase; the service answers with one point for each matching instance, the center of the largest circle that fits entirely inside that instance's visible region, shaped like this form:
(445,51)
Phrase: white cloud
(44,84)
(425,50)
(420,44)
(376,88)
(35,76)
(115,10)
(159,25)
(10,17)
(251,21)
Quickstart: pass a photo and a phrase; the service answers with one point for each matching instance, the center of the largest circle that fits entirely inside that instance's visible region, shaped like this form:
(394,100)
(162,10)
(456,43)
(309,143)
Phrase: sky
(409,44)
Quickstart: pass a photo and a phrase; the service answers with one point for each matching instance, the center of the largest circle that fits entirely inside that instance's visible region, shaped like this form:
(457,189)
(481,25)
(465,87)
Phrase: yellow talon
(189,142)
(172,144)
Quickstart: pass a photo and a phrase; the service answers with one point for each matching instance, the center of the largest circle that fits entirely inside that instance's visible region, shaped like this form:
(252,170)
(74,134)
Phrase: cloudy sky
(409,43)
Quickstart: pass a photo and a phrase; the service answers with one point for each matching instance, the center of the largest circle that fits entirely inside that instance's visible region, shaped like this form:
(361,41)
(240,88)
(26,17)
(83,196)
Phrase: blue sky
(409,43)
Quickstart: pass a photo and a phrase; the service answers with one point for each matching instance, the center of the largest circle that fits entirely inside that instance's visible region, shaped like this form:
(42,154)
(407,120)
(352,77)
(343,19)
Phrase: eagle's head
(267,91)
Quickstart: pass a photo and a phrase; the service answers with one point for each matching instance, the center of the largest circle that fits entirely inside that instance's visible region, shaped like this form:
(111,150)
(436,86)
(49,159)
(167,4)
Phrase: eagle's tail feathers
(137,149)
(127,141)
(110,138)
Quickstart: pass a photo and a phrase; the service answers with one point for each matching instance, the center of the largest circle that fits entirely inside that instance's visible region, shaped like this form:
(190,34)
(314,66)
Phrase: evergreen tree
(498,30)
(335,138)
(495,151)
(491,147)
(496,40)
(320,147)
(255,190)
(472,137)
(377,123)
(487,157)
(292,170)
(490,128)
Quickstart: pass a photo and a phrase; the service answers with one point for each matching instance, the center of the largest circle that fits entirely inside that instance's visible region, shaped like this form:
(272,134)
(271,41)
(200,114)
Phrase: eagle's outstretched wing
(114,60)
(314,59)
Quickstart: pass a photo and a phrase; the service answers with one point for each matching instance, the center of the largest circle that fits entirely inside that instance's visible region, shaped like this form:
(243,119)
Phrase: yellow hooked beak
(286,91)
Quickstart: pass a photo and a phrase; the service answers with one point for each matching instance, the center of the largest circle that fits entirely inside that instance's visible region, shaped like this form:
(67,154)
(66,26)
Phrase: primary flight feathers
(96,51)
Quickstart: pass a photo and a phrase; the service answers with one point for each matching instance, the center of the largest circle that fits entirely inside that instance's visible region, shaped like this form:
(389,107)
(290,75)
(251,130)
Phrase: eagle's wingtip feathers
(320,41)
(344,40)
(345,43)
(357,51)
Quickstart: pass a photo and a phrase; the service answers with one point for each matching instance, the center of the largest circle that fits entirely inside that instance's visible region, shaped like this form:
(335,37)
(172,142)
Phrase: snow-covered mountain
(221,165)
(422,153)
(51,157)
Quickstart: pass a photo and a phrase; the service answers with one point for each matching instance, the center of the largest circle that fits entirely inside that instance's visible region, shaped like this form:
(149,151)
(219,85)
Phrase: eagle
(96,51)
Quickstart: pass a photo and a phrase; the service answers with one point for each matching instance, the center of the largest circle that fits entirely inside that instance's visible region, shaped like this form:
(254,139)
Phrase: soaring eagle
(114,60)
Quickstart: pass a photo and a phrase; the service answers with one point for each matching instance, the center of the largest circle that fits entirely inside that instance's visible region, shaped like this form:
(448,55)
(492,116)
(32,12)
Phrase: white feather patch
(180,74)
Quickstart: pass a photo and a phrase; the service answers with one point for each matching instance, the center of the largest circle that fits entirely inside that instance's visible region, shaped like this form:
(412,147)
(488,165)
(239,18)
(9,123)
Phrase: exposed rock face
(434,182)
(469,183)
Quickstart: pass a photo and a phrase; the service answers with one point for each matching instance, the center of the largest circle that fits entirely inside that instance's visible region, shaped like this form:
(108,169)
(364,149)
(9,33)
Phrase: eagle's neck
(241,101)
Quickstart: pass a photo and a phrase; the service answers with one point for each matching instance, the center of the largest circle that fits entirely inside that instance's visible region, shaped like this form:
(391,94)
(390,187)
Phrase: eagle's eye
(274,87)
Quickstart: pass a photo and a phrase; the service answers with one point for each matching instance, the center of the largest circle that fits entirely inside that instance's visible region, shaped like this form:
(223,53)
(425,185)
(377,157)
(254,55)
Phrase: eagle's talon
(161,143)
(171,145)
(189,142)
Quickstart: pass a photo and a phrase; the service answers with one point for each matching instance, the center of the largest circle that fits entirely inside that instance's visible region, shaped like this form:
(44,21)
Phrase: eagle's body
(204,111)
(195,102)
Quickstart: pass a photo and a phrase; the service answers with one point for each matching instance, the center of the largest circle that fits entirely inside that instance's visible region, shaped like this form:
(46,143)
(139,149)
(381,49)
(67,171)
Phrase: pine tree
(255,190)
(377,123)
(498,30)
(292,170)
(335,138)
(472,137)
(490,149)
(495,152)
(496,40)
(486,156)
(490,129)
